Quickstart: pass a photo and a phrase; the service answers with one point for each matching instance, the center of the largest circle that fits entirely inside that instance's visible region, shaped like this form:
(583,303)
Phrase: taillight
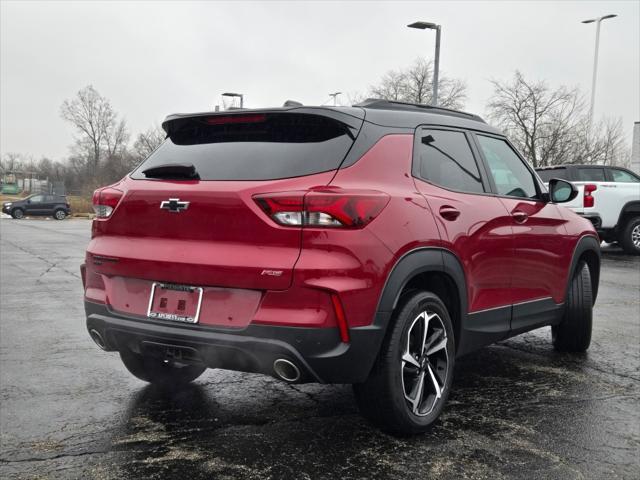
(588,200)
(105,200)
(323,209)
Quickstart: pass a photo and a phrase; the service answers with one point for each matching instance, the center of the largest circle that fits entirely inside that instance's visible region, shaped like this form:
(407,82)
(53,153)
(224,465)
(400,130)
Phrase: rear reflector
(340,318)
(323,209)
(588,199)
(105,200)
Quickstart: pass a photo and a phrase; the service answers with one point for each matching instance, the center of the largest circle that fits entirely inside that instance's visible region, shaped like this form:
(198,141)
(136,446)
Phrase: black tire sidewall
(413,306)
(14,213)
(55,214)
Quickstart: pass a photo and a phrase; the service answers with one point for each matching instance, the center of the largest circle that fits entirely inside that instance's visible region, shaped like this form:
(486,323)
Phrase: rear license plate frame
(188,289)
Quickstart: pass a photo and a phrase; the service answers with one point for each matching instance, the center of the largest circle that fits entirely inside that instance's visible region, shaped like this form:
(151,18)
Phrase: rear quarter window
(255,146)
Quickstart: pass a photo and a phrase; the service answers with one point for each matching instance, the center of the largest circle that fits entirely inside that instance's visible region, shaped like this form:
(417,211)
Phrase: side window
(37,199)
(547,174)
(445,159)
(591,175)
(622,176)
(510,174)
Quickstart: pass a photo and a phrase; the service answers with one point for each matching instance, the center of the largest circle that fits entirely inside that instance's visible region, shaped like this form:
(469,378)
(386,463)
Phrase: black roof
(377,103)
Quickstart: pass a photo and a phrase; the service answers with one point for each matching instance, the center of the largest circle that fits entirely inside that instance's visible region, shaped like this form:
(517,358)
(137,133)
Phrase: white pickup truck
(608,196)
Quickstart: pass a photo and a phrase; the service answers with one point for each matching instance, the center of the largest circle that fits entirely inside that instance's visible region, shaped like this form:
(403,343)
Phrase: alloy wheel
(635,236)
(425,363)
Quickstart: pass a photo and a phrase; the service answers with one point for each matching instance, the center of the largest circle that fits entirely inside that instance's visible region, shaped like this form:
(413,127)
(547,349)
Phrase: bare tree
(550,126)
(147,142)
(415,85)
(11,161)
(101,134)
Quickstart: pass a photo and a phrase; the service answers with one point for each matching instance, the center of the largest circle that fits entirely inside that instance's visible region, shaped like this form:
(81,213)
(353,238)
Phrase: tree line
(549,125)
(101,152)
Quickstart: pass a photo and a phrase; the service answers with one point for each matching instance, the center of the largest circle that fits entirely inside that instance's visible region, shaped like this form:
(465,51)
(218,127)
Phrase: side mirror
(561,191)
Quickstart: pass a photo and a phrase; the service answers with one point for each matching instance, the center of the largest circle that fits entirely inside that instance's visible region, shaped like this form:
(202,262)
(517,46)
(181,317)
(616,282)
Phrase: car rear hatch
(187,214)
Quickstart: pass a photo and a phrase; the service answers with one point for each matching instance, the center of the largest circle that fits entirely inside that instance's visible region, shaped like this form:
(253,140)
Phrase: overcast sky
(155,58)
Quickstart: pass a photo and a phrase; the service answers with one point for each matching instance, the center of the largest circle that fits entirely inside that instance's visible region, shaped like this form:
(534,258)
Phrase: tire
(382,397)
(17,213)
(157,371)
(59,214)
(630,237)
(573,334)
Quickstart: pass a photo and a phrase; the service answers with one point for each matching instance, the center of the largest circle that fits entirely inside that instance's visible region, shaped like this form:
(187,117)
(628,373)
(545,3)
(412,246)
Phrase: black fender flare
(632,207)
(587,243)
(415,262)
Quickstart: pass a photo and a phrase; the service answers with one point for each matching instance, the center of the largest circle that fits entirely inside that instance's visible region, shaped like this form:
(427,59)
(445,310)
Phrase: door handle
(449,213)
(519,216)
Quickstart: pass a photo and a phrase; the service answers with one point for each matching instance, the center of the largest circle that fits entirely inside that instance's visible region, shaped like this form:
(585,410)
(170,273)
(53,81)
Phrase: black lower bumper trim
(317,352)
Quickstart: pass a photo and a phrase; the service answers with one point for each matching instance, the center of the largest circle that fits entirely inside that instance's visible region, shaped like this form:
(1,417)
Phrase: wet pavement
(517,409)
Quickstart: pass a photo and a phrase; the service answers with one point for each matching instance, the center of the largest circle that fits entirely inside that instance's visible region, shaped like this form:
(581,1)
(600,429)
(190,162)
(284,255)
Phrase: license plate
(180,303)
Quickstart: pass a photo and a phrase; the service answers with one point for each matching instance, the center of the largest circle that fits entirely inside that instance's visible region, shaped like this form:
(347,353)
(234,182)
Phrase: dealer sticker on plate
(180,303)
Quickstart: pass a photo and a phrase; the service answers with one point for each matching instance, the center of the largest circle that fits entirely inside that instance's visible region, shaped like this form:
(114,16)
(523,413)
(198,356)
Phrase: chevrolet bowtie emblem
(174,205)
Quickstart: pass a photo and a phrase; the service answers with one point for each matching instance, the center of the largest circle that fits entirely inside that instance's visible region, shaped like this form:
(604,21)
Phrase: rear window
(254,146)
(546,175)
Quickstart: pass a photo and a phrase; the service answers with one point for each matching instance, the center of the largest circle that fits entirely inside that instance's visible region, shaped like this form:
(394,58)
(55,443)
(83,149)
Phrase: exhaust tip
(286,370)
(95,335)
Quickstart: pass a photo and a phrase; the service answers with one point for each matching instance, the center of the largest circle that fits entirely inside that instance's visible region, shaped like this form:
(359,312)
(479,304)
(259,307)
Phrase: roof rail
(381,104)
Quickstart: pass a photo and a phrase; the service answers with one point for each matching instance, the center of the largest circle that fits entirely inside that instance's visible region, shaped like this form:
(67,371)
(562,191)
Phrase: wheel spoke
(417,399)
(439,345)
(434,380)
(408,358)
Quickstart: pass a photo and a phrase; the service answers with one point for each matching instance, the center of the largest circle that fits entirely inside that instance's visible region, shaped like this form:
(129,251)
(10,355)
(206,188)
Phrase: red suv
(370,245)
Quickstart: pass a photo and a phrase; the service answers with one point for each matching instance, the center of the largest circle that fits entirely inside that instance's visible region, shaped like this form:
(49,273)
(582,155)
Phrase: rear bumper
(317,352)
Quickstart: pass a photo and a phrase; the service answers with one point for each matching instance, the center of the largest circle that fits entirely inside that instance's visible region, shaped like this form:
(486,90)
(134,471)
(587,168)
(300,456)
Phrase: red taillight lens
(330,209)
(105,201)
(588,200)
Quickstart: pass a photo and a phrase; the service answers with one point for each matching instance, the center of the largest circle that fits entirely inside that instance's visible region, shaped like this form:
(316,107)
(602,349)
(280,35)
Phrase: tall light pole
(240,95)
(335,95)
(436,62)
(595,60)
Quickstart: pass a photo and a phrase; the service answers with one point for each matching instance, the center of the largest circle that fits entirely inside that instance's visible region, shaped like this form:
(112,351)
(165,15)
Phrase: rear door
(472,222)
(35,205)
(542,251)
(210,231)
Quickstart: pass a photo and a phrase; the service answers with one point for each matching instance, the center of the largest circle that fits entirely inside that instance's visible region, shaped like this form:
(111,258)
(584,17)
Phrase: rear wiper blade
(172,171)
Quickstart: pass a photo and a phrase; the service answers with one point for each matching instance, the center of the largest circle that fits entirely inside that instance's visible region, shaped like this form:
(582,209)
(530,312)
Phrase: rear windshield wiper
(172,171)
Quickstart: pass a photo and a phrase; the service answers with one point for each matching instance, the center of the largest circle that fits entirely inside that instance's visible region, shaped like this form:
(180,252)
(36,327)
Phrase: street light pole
(335,95)
(436,68)
(436,62)
(595,61)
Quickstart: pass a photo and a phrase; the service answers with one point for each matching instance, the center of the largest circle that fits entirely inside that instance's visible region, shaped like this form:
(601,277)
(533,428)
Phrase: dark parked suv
(40,204)
(370,245)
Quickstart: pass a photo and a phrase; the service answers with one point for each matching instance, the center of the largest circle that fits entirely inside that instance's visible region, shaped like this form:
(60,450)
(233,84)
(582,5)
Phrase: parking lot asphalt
(517,409)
